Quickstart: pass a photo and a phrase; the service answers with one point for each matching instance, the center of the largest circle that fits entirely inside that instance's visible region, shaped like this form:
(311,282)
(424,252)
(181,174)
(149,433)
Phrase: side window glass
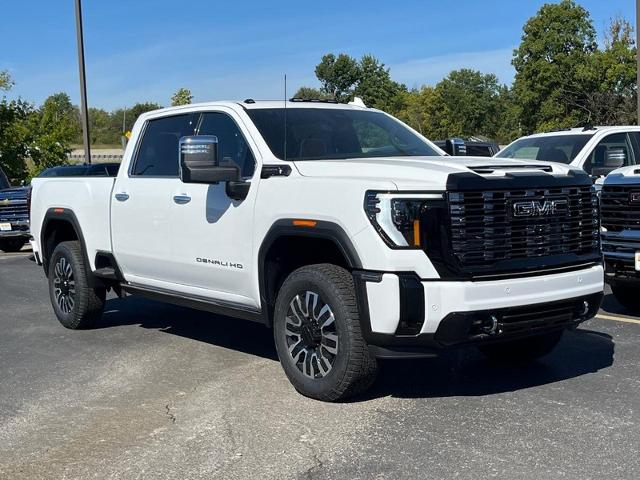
(619,141)
(232,147)
(158,151)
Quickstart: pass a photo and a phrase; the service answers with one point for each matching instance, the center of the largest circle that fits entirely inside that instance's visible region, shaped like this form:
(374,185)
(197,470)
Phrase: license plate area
(5,227)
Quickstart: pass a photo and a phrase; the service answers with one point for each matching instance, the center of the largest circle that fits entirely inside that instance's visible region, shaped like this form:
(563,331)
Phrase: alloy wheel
(64,285)
(311,334)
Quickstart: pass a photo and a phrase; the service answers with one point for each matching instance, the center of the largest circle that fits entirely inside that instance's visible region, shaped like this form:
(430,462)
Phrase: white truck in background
(337,225)
(596,150)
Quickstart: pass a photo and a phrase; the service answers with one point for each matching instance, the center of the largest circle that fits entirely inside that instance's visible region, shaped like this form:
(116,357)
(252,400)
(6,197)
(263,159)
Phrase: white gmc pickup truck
(337,225)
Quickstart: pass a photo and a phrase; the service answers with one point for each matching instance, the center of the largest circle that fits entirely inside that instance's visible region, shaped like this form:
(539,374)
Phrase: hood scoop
(489,169)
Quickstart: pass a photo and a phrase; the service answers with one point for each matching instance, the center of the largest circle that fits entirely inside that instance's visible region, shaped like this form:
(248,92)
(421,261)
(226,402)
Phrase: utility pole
(83,84)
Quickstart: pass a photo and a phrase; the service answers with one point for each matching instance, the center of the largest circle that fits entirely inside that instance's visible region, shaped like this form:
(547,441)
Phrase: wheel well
(56,231)
(288,253)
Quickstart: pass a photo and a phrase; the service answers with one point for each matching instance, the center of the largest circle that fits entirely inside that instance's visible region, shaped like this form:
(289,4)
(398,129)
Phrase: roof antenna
(285,117)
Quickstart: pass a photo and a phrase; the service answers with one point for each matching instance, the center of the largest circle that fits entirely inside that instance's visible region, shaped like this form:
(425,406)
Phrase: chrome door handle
(122,197)
(181,199)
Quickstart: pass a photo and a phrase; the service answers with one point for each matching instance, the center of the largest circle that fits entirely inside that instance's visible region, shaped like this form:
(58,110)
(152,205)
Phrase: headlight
(402,219)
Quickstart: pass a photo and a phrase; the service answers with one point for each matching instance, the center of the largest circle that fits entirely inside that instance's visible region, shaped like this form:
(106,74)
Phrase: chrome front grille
(522,229)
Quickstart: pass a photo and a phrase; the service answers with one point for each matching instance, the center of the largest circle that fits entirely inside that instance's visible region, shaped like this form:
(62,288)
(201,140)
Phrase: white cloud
(430,70)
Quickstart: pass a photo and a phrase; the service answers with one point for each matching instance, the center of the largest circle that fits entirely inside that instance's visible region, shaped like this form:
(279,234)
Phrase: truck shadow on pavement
(459,372)
(231,333)
(466,372)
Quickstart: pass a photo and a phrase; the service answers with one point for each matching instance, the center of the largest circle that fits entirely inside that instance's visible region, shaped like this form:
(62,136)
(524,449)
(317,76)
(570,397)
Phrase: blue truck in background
(14,215)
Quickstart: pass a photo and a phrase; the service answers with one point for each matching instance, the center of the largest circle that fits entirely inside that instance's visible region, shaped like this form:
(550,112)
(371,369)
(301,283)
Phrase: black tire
(522,351)
(74,302)
(627,296)
(11,245)
(329,377)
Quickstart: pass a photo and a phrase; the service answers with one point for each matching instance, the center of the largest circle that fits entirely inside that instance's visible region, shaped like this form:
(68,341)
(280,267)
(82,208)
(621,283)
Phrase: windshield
(328,134)
(552,148)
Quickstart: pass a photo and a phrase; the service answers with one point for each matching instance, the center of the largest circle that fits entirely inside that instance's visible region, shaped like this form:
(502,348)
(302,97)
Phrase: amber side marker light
(416,233)
(304,223)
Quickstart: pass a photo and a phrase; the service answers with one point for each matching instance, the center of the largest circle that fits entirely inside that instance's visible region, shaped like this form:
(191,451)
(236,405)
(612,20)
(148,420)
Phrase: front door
(212,235)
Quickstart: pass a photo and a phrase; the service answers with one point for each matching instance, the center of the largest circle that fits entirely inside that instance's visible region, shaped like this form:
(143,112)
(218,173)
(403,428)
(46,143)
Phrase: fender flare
(68,216)
(286,228)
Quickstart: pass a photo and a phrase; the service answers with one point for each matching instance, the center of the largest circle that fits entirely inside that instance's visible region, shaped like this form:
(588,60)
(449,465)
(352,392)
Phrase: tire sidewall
(70,319)
(300,282)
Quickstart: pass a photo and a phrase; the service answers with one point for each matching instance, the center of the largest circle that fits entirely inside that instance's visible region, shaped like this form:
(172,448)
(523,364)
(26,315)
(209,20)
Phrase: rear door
(141,210)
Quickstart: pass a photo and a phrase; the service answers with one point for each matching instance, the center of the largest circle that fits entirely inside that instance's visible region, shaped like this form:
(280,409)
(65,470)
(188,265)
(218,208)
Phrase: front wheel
(318,336)
(75,303)
(525,350)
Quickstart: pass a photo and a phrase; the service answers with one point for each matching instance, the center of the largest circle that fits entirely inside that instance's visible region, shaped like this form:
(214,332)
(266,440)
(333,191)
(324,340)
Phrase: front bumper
(619,249)
(19,229)
(403,311)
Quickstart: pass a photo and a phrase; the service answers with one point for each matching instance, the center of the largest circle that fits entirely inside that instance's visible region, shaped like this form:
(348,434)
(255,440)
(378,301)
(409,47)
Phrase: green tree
(309,93)
(138,109)
(101,128)
(467,104)
(417,109)
(551,78)
(5,81)
(54,128)
(375,86)
(15,136)
(181,97)
(338,75)
(613,72)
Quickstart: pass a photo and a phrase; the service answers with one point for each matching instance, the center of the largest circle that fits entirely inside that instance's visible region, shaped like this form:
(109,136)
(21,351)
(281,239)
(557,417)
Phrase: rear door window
(158,152)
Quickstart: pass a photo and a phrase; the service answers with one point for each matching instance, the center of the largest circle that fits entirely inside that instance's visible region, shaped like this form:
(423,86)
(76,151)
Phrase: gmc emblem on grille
(537,208)
(634,197)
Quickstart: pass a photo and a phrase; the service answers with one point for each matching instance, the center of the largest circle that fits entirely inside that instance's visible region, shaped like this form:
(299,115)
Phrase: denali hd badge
(539,208)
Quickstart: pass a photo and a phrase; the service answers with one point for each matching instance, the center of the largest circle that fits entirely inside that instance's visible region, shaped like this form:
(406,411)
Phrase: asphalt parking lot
(158,391)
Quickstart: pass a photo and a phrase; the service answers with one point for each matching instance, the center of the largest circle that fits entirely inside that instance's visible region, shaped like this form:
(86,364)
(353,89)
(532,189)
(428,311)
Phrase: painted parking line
(616,318)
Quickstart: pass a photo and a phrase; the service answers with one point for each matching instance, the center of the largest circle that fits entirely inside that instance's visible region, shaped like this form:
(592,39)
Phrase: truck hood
(425,173)
(624,176)
(14,193)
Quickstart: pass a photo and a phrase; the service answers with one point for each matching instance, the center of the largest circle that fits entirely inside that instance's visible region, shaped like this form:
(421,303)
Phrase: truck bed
(88,198)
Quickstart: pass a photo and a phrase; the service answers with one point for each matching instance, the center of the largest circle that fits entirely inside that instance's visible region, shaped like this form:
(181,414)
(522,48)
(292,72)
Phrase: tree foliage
(5,81)
(338,75)
(552,67)
(181,97)
(308,93)
(53,126)
(15,138)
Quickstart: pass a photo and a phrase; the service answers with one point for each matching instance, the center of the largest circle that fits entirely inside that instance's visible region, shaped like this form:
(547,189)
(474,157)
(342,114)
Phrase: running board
(199,303)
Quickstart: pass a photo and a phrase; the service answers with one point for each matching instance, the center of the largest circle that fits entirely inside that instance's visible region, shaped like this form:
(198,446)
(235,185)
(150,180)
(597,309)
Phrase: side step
(107,273)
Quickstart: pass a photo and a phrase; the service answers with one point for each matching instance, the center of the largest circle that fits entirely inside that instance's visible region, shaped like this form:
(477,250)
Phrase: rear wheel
(317,334)
(627,296)
(525,350)
(12,244)
(75,303)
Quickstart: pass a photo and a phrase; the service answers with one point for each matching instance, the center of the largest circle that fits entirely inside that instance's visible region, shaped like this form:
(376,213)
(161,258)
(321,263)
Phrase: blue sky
(145,50)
